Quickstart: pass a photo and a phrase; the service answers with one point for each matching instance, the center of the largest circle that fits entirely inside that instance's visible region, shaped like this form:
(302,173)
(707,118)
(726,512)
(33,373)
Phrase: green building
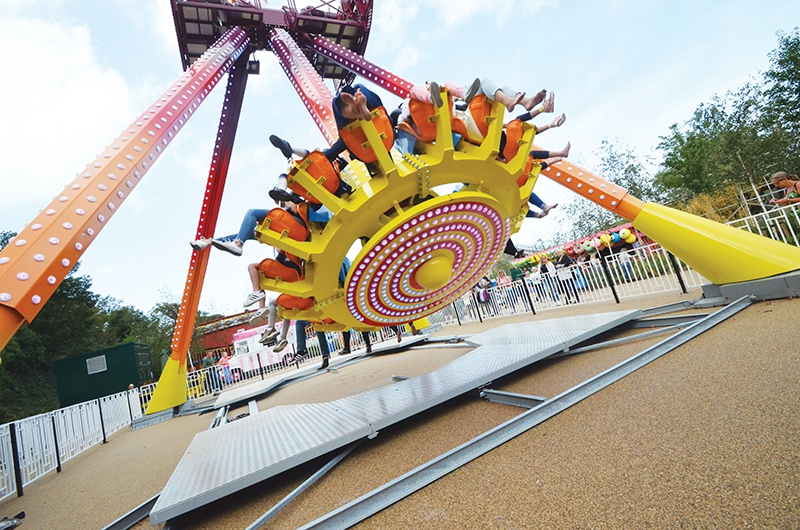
(102,373)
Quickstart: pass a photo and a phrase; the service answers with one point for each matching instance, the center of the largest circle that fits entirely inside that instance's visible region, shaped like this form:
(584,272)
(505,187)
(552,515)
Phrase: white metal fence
(8,485)
(32,447)
(780,224)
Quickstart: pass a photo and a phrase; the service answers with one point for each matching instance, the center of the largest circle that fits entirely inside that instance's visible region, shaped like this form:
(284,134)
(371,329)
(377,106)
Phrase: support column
(171,389)
(309,85)
(35,263)
(353,62)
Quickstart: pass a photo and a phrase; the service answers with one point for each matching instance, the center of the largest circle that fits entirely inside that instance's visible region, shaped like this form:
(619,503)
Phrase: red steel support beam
(217,174)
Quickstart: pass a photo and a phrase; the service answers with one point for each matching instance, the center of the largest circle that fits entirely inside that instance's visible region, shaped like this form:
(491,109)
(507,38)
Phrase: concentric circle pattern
(381,289)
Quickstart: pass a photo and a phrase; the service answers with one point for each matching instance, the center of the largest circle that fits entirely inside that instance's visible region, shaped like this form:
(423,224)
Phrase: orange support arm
(35,263)
(721,253)
(600,191)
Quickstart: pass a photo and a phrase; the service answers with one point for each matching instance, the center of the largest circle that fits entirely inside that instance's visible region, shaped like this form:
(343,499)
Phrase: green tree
(119,324)
(782,101)
(739,138)
(721,144)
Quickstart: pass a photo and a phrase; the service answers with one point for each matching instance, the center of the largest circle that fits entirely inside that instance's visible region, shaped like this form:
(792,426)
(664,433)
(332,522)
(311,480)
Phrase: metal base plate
(236,455)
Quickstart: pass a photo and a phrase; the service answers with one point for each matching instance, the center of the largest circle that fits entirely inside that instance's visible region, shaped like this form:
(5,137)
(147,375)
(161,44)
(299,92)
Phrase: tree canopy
(741,137)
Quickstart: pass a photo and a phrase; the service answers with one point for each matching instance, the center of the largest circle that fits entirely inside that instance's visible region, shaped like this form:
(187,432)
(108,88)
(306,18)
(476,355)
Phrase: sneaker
(325,363)
(200,244)
(282,195)
(344,352)
(227,246)
(369,348)
(283,145)
(472,90)
(268,336)
(436,95)
(300,356)
(281,345)
(260,317)
(254,297)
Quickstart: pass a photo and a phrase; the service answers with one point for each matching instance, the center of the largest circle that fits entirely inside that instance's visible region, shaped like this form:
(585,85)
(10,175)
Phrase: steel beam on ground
(130,519)
(394,491)
(261,521)
(661,322)
(615,342)
(512,398)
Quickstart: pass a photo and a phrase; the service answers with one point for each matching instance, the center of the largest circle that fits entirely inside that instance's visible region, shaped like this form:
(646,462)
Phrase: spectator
(791,188)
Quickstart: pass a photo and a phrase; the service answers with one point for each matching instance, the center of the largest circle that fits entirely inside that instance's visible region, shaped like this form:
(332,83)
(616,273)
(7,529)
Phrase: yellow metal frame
(388,198)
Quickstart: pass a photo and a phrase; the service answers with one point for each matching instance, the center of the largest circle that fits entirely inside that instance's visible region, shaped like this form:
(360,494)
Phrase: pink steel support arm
(355,63)
(306,81)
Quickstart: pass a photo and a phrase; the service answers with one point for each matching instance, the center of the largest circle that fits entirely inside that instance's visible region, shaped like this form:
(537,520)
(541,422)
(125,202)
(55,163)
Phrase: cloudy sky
(77,73)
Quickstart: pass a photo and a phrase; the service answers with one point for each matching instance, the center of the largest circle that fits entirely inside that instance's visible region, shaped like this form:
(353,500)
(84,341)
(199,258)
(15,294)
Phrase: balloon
(624,233)
(615,238)
(606,240)
(631,238)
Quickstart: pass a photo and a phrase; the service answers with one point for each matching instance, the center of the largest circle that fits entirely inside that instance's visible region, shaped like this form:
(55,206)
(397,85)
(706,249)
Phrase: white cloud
(58,110)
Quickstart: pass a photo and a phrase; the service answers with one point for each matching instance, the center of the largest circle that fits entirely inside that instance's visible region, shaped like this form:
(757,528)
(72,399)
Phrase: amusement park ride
(421,248)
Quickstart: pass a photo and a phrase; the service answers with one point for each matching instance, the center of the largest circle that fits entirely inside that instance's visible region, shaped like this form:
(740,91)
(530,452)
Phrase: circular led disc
(470,229)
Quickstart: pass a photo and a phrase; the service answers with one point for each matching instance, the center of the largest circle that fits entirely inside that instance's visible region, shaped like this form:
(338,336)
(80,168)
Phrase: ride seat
(321,170)
(290,302)
(289,224)
(473,125)
(353,136)
(285,267)
(421,125)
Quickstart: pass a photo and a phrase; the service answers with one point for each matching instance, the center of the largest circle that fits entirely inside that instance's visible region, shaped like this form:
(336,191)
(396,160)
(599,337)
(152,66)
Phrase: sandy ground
(704,437)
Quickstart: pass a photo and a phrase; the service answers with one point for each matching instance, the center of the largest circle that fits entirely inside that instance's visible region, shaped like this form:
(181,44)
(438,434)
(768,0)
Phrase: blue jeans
(248,229)
(552,288)
(404,142)
(536,201)
(300,333)
(627,271)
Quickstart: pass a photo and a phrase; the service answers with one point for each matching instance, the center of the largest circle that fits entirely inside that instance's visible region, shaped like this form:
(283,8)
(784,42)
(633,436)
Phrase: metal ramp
(243,393)
(236,455)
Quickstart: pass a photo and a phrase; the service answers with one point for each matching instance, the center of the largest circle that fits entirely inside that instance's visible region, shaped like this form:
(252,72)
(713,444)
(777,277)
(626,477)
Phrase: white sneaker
(280,346)
(254,297)
(227,246)
(260,317)
(200,244)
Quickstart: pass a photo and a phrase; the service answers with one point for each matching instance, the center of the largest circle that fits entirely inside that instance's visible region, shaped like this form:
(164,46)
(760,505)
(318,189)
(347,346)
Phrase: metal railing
(33,447)
(8,484)
(781,224)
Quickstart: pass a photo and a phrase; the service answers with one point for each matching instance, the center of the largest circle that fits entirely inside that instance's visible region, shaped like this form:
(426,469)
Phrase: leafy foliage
(741,137)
